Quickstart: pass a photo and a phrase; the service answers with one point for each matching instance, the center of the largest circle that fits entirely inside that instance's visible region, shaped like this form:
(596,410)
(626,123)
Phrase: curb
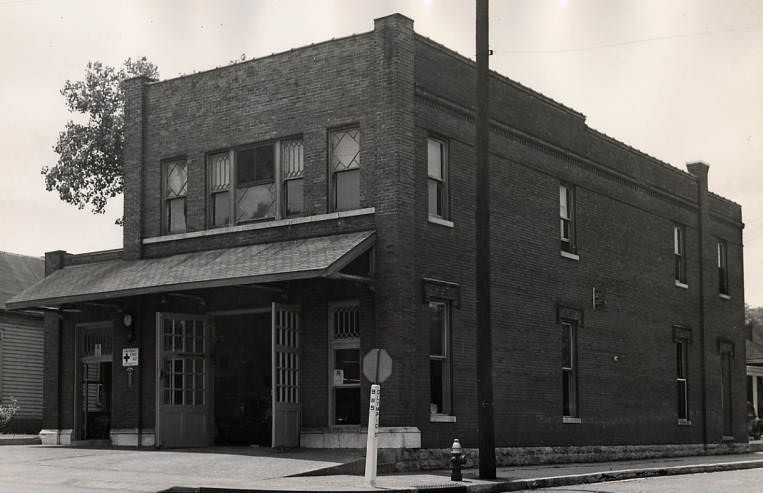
(20,441)
(601,477)
(517,484)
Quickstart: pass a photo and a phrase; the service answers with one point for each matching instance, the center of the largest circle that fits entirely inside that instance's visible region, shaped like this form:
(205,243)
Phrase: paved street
(746,481)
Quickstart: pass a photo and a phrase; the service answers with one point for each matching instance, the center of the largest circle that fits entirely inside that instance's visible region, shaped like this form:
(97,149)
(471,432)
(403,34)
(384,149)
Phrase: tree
(90,159)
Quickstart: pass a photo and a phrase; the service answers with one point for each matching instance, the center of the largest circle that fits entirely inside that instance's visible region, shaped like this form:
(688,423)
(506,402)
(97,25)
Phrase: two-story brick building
(285,215)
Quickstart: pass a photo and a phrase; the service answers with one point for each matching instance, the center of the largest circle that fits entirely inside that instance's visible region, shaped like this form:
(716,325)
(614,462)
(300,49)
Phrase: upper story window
(723,272)
(679,253)
(174,190)
(567,218)
(437,171)
(344,168)
(243,184)
(292,173)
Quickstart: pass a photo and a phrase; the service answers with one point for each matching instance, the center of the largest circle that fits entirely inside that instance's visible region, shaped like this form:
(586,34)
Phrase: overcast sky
(681,80)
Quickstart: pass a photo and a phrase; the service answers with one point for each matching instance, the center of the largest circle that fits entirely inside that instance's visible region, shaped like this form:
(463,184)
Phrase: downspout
(138,326)
(699,170)
(60,376)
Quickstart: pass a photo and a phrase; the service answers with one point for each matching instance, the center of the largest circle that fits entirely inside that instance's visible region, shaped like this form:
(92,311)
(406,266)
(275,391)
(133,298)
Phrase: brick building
(329,192)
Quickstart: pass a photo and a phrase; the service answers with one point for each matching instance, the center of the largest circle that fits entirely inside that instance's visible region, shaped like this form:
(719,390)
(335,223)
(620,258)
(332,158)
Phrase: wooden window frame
(332,172)
(679,253)
(722,254)
(166,199)
(333,345)
(570,409)
(444,182)
(567,244)
(278,181)
(446,357)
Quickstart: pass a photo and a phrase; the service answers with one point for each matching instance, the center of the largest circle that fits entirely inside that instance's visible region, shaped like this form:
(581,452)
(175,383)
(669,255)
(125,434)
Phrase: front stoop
(56,437)
(128,437)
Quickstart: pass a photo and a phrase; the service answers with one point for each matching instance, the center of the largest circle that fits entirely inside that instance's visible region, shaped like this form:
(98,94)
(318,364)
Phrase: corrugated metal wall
(21,354)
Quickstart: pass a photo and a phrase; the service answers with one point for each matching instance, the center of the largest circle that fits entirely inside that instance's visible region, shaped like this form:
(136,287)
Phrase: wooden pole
(482,219)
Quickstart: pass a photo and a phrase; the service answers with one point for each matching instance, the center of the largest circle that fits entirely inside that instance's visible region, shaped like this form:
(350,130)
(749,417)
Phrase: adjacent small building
(21,343)
(284,216)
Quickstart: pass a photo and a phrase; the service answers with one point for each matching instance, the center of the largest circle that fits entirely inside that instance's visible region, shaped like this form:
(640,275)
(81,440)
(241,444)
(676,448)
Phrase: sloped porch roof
(250,264)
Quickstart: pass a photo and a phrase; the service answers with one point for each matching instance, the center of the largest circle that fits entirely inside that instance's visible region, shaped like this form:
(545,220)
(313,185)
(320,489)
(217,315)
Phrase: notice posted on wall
(130,356)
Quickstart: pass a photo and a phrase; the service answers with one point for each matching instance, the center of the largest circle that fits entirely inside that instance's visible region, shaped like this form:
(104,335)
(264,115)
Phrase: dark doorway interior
(243,380)
(97,400)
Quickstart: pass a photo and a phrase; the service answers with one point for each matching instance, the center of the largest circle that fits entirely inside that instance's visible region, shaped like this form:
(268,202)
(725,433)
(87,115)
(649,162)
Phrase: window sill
(681,285)
(259,225)
(441,418)
(724,296)
(684,422)
(440,221)
(571,420)
(571,256)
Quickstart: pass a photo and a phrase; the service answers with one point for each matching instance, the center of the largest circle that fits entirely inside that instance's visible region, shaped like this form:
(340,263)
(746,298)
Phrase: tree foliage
(90,159)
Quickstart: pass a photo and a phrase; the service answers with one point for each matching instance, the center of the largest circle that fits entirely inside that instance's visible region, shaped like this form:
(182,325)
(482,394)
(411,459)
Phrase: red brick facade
(399,88)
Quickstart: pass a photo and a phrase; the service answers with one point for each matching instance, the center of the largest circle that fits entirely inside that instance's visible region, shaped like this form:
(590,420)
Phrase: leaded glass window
(344,164)
(220,168)
(175,189)
(292,172)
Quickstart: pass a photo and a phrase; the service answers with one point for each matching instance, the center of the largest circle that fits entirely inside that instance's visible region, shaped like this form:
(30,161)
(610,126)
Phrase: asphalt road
(745,481)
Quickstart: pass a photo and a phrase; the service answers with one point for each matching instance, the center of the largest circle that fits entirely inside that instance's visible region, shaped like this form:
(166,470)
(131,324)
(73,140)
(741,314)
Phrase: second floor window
(437,172)
(723,273)
(344,168)
(567,218)
(175,187)
(243,185)
(679,253)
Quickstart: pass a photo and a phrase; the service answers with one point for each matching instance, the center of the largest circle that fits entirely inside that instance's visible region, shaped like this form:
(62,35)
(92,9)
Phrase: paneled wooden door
(184,397)
(286,375)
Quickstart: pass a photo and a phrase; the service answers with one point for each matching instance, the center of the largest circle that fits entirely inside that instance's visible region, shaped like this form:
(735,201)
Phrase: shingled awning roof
(250,264)
(18,272)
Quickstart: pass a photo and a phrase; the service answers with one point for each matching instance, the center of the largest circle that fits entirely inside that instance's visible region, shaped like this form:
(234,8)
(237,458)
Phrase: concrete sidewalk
(35,468)
(509,478)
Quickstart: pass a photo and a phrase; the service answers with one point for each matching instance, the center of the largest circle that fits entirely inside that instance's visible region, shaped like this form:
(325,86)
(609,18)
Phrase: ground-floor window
(344,326)
(682,385)
(439,360)
(569,370)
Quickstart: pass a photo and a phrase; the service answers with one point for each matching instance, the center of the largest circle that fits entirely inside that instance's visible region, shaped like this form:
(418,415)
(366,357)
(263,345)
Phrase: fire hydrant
(457,459)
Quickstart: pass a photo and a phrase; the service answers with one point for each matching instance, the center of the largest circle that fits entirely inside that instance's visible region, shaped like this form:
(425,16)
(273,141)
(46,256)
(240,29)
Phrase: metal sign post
(373,428)
(377,367)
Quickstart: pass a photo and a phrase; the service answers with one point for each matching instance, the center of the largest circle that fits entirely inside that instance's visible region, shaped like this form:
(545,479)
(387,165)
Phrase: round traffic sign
(377,365)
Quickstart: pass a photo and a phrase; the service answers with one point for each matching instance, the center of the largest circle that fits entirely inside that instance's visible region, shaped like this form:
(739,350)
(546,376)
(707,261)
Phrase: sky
(681,80)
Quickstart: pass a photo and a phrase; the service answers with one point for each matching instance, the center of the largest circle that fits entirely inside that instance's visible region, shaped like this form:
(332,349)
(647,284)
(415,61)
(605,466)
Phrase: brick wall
(626,206)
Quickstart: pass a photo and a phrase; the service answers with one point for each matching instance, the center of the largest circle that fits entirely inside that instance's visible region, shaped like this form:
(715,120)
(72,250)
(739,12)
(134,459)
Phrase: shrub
(8,410)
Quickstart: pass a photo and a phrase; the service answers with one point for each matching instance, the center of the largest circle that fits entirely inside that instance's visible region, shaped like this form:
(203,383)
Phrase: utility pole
(484,332)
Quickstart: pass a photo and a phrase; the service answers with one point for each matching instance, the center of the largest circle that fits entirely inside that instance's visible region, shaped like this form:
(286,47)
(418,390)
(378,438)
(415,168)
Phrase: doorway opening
(243,379)
(95,382)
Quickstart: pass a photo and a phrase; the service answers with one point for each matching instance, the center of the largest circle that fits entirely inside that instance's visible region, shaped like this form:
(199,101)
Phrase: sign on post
(373,429)
(377,367)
